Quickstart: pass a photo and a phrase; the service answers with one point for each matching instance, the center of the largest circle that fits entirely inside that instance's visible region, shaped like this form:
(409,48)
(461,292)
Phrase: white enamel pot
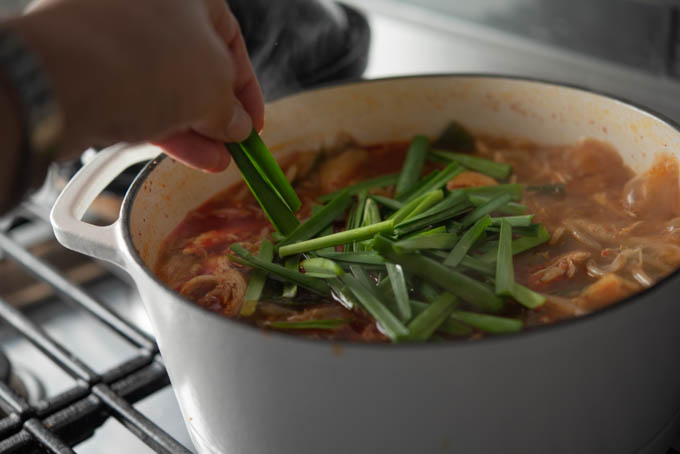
(605,383)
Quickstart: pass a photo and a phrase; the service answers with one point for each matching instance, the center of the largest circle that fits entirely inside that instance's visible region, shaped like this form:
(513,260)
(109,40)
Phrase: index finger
(246,87)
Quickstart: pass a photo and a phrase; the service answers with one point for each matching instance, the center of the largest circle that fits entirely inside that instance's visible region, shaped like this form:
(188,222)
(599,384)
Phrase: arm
(170,71)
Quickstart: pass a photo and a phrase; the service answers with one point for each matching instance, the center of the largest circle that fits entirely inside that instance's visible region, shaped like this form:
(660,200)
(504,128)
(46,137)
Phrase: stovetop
(406,40)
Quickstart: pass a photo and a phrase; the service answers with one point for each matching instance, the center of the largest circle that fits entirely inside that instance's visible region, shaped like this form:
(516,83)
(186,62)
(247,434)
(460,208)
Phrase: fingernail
(240,125)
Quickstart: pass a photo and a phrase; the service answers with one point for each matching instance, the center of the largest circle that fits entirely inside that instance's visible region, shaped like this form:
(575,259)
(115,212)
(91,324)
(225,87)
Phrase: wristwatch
(40,117)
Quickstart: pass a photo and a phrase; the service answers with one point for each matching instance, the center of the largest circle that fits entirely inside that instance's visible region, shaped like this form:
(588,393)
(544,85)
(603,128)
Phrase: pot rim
(540,330)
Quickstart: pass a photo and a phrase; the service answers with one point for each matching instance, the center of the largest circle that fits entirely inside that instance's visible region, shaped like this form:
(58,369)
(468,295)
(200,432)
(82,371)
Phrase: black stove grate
(55,424)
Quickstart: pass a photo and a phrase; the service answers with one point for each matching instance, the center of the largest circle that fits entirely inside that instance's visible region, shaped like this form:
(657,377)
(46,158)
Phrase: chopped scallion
(466,241)
(515,221)
(387,202)
(361,258)
(319,220)
(400,290)
(274,207)
(336,239)
(248,259)
(378,182)
(269,169)
(321,267)
(413,165)
(465,287)
(437,182)
(548,189)
(497,170)
(488,208)
(391,325)
(427,322)
(425,241)
(526,297)
(510,208)
(488,323)
(257,280)
(290,289)
(505,274)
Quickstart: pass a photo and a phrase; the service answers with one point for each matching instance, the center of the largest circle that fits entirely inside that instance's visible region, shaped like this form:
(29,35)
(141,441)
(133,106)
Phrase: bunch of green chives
(426,261)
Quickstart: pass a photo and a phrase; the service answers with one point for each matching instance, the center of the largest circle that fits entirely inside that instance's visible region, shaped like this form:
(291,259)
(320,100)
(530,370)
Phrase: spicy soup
(611,233)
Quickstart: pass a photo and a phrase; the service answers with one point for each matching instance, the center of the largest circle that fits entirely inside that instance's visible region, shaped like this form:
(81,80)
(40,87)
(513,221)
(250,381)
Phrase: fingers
(246,87)
(196,151)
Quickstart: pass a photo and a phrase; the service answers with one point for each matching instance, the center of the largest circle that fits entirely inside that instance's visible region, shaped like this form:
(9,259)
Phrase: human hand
(175,72)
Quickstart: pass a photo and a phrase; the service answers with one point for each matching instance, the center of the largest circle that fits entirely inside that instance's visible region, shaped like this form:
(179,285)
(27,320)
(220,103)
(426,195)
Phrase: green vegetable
(398,282)
(361,258)
(273,205)
(515,221)
(519,245)
(426,202)
(467,240)
(497,170)
(290,289)
(342,293)
(488,208)
(427,322)
(416,223)
(465,287)
(449,326)
(248,259)
(392,326)
(371,213)
(320,220)
(408,208)
(548,189)
(514,189)
(454,199)
(427,179)
(308,324)
(473,263)
(526,297)
(422,203)
(423,241)
(321,267)
(510,208)
(488,323)
(386,202)
(505,274)
(413,165)
(336,239)
(437,182)
(378,182)
(269,169)
(257,280)
(455,138)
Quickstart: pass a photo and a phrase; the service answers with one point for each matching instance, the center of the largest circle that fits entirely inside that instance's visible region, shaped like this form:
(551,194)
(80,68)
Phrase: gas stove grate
(57,423)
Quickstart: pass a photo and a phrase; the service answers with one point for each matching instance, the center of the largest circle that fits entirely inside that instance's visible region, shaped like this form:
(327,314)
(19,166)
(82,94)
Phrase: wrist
(60,66)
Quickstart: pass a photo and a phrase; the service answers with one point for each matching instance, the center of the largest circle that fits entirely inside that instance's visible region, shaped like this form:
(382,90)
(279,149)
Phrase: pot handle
(84,187)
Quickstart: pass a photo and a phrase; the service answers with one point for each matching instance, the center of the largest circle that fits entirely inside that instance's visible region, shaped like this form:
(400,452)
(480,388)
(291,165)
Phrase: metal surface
(94,393)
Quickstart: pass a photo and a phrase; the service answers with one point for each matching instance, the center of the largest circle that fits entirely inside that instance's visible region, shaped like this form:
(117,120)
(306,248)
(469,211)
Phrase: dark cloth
(295,44)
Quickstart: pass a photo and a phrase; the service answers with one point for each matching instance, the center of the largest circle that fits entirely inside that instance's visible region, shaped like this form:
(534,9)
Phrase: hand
(172,71)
